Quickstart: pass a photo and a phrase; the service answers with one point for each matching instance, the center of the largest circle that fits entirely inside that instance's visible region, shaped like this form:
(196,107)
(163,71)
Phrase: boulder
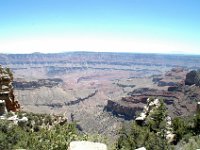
(141,119)
(22,122)
(23,119)
(170,137)
(141,148)
(86,145)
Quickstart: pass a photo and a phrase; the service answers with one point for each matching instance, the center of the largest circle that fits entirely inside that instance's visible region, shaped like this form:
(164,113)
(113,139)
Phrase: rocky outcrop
(165,83)
(52,105)
(140,95)
(124,85)
(126,110)
(193,77)
(128,107)
(173,78)
(6,90)
(145,116)
(156,79)
(29,85)
(74,102)
(151,105)
(176,88)
(180,100)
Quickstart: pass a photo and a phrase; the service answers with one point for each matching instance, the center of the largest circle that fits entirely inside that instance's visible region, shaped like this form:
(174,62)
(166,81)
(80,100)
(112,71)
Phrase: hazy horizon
(136,26)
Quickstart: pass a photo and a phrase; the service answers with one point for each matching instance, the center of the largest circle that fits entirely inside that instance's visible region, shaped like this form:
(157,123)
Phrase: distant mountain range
(102,57)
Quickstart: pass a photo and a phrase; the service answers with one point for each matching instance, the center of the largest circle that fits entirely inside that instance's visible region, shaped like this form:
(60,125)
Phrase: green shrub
(179,128)
(138,137)
(16,137)
(197,123)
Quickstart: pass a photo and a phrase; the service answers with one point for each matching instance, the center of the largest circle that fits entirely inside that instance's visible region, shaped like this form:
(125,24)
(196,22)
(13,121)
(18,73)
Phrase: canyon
(100,91)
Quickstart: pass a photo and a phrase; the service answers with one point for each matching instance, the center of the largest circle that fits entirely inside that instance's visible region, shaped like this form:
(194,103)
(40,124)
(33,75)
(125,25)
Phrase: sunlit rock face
(6,90)
(86,145)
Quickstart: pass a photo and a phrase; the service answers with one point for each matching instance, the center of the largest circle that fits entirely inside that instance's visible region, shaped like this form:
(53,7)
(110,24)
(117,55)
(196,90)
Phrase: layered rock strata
(123,109)
(6,90)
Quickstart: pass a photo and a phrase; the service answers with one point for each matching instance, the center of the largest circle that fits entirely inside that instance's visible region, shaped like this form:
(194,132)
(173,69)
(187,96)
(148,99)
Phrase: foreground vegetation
(41,132)
(151,135)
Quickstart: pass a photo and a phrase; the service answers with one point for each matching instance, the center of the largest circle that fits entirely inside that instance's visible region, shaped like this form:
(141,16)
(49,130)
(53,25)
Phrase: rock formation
(126,110)
(127,107)
(6,90)
(179,98)
(174,79)
(22,85)
(78,100)
(193,77)
(152,105)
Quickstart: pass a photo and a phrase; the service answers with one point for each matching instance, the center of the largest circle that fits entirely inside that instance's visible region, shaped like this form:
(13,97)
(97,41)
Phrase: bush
(15,137)
(179,128)
(156,119)
(197,123)
(150,136)
(138,137)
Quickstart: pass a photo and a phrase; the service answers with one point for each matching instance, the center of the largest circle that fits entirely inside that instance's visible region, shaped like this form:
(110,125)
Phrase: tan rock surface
(86,145)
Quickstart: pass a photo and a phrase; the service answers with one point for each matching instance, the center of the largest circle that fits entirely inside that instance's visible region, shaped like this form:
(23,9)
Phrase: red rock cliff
(6,90)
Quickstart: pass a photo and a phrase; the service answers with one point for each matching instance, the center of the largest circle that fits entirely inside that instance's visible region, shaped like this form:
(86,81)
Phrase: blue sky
(153,26)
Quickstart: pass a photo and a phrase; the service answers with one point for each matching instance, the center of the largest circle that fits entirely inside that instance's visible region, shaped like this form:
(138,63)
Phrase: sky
(146,26)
